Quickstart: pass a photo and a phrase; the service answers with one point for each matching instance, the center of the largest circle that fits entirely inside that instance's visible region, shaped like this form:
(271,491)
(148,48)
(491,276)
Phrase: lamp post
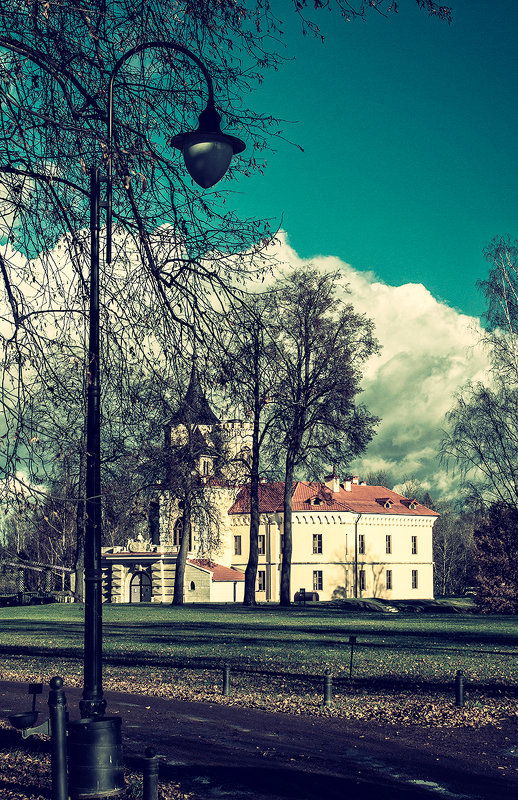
(95,745)
(207,153)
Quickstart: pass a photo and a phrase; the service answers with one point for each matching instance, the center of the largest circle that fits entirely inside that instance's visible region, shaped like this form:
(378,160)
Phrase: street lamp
(207,153)
(94,743)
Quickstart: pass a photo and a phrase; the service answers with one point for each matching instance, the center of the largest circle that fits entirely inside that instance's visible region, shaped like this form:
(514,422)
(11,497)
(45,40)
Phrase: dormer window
(314,501)
(387,503)
(412,504)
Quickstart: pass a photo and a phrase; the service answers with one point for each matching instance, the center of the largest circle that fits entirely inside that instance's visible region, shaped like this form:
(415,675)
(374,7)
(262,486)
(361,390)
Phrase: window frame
(388,544)
(415,579)
(317,544)
(388,579)
(413,544)
(261,580)
(178,532)
(318,580)
(361,544)
(237,544)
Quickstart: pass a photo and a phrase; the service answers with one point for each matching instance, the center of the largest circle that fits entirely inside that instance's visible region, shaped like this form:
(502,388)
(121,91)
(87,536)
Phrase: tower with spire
(195,421)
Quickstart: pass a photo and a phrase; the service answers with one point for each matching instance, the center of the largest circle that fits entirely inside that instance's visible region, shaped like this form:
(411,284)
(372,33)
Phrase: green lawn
(404,665)
(301,640)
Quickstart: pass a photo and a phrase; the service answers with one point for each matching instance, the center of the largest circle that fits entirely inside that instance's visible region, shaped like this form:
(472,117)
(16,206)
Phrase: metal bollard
(226,680)
(328,684)
(58,739)
(352,642)
(459,689)
(150,775)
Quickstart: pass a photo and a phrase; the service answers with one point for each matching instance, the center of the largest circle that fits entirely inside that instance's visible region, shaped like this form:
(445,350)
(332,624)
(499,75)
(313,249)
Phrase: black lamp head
(207,151)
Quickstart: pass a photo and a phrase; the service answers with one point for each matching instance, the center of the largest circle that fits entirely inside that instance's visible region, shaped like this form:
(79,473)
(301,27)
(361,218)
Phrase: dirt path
(220,751)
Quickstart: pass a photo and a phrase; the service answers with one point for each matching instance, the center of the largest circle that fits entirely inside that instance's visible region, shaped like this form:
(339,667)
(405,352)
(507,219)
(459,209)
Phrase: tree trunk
(181,559)
(253,554)
(79,565)
(287,546)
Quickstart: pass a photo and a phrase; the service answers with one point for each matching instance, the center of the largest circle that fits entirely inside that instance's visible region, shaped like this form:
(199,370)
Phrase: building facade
(349,540)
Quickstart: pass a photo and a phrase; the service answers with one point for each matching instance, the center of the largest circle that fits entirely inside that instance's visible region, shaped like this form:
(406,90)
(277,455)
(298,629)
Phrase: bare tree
(453,549)
(322,345)
(482,436)
(248,374)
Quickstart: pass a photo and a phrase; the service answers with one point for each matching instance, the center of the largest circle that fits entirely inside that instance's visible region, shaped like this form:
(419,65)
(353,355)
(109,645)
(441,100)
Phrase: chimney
(333,482)
(347,486)
(355,480)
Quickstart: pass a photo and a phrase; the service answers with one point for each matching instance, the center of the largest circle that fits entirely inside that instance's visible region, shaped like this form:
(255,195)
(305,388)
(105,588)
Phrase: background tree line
(481,442)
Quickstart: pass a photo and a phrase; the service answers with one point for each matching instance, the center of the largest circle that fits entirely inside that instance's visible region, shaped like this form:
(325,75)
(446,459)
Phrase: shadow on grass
(11,742)
(11,739)
(389,681)
(376,630)
(25,789)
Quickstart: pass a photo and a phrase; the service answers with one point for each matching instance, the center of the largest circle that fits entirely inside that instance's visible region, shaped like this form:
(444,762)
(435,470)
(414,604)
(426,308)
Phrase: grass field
(277,656)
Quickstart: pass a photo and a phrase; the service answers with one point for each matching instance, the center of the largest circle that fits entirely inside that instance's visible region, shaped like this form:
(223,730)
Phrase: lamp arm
(139,49)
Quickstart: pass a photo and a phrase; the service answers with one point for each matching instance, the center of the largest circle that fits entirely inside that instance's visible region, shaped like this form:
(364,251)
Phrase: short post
(328,689)
(459,689)
(20,584)
(58,739)
(150,775)
(352,642)
(226,680)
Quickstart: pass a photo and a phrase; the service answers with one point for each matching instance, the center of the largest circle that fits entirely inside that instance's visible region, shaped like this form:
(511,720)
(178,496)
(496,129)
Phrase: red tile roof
(270,499)
(315,497)
(219,573)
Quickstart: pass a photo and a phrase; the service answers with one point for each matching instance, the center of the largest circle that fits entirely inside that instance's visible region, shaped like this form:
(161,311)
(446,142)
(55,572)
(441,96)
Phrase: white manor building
(349,539)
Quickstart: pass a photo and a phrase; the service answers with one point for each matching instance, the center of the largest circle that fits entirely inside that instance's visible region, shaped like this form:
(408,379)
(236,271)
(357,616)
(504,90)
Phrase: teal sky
(410,136)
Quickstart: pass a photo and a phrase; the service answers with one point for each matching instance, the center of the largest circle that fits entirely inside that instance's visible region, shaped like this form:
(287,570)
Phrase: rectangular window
(318,581)
(362,580)
(237,545)
(361,544)
(414,579)
(414,545)
(317,542)
(388,579)
(261,544)
(388,543)
(261,580)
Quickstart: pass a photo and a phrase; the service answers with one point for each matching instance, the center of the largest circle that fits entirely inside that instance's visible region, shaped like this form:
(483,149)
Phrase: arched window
(178,532)
(192,586)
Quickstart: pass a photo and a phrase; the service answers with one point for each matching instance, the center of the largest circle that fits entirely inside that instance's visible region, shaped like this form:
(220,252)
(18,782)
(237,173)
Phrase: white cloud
(429,351)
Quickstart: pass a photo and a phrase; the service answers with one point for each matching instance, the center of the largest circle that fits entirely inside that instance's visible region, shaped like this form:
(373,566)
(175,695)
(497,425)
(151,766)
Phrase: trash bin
(95,762)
